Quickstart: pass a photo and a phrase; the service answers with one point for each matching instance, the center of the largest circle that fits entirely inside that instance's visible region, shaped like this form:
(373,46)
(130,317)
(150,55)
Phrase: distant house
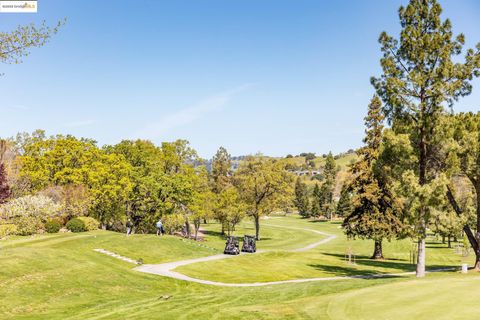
(306,172)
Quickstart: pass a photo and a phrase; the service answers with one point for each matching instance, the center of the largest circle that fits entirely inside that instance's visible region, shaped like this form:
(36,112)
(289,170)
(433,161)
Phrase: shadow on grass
(338,271)
(394,265)
(326,222)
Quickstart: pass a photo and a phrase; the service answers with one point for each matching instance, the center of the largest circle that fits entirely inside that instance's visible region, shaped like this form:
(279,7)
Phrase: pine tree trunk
(449,242)
(257,227)
(378,250)
(422,180)
(421,259)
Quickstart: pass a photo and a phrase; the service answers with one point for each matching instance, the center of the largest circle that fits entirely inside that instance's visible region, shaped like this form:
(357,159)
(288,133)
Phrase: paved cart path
(166,269)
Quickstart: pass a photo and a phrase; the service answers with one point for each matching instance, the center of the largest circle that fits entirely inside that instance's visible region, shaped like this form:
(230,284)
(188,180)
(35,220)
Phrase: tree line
(135,180)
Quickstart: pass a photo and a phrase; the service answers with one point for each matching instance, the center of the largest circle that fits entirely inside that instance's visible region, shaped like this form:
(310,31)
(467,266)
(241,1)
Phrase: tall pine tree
(373,213)
(328,187)
(421,74)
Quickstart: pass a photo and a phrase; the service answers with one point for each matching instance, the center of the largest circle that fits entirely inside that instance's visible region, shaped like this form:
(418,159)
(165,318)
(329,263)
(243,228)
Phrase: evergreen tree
(4,188)
(344,205)
(301,200)
(328,187)
(316,210)
(422,73)
(373,215)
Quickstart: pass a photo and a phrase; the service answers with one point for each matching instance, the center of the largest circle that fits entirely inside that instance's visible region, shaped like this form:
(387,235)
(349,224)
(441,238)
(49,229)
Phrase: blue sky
(270,76)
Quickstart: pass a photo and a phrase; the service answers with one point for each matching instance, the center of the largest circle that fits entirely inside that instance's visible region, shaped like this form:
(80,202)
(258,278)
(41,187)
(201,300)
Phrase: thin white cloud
(189,114)
(77,124)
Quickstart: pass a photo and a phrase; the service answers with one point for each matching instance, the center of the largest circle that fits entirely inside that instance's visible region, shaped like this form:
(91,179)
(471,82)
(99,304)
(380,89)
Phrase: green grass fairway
(61,277)
(324,261)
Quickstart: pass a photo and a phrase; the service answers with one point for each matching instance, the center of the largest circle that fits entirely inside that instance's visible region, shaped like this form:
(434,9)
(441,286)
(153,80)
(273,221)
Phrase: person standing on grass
(159,225)
(129,226)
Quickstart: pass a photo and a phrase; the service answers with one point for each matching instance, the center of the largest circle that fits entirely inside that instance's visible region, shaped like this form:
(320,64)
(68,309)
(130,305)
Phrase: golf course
(66,279)
(240,160)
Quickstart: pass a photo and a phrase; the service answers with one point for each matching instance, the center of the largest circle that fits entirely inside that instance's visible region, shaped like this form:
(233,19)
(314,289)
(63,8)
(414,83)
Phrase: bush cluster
(173,223)
(90,223)
(82,224)
(52,226)
(29,213)
(7,230)
(76,225)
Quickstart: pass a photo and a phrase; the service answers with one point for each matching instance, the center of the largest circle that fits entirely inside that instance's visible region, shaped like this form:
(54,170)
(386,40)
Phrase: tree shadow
(339,271)
(401,265)
(326,222)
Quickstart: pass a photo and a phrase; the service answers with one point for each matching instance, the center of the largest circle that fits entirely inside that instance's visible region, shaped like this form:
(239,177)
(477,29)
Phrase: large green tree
(142,204)
(66,161)
(374,212)
(221,180)
(262,183)
(421,74)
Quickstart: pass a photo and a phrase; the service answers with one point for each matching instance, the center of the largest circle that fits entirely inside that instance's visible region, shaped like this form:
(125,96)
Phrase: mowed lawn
(326,260)
(61,277)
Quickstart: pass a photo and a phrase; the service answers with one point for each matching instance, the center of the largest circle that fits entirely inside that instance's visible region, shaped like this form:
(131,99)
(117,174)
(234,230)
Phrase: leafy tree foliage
(143,201)
(68,161)
(221,170)
(467,138)
(221,180)
(15,45)
(262,183)
(230,205)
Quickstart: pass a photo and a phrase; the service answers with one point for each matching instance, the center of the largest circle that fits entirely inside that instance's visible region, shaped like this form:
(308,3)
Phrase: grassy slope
(60,277)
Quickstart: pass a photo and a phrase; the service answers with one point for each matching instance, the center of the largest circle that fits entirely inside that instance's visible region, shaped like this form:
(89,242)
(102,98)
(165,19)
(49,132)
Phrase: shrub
(52,226)
(90,223)
(7,230)
(76,225)
(29,213)
(173,223)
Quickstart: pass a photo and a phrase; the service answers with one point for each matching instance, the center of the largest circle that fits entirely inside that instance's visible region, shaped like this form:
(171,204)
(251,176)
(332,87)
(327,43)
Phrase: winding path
(166,269)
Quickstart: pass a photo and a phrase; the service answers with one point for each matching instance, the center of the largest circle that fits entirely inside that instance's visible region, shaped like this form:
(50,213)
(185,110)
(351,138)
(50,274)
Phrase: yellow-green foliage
(90,223)
(173,223)
(7,230)
(29,213)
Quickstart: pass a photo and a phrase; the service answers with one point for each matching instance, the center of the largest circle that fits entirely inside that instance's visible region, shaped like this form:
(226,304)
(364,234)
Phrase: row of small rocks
(117,256)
